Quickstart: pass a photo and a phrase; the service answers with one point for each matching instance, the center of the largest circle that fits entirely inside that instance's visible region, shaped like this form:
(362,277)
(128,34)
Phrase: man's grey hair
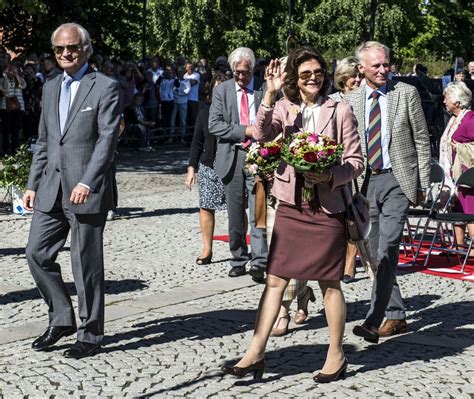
(242,54)
(369,46)
(83,34)
(459,93)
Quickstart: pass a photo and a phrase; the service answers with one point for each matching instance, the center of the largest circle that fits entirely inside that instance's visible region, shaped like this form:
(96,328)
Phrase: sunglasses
(243,73)
(71,48)
(306,75)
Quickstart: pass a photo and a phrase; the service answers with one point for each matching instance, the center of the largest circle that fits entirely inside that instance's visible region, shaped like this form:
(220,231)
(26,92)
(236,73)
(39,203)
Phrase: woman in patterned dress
(201,165)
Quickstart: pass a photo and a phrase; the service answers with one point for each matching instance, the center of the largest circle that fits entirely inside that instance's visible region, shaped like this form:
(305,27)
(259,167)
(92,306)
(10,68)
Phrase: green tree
(413,29)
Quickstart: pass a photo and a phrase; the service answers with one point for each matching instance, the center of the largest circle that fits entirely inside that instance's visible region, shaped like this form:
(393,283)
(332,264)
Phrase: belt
(380,171)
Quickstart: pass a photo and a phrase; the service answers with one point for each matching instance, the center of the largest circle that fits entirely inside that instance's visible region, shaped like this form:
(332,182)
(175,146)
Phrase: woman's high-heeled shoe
(204,261)
(277,331)
(325,378)
(257,369)
(302,312)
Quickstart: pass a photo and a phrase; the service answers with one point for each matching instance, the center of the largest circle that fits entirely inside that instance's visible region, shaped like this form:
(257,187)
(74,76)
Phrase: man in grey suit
(231,118)
(396,148)
(70,188)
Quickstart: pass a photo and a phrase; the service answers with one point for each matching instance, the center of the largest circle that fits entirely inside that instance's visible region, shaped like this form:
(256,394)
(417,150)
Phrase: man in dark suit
(231,119)
(396,147)
(70,188)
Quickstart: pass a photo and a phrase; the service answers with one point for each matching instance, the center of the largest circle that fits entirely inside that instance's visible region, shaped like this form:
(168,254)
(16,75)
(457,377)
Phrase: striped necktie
(374,147)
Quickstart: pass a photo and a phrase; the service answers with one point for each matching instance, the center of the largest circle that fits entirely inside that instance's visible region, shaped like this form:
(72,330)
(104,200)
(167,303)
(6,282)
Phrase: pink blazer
(286,117)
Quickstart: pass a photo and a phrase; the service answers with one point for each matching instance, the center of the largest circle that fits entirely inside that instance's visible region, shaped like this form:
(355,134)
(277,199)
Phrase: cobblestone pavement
(171,324)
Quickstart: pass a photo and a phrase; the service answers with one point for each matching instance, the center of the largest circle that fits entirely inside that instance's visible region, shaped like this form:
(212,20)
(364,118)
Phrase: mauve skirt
(307,243)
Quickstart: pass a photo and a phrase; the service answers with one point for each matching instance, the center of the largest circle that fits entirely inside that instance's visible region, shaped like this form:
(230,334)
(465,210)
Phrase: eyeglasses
(243,73)
(71,48)
(306,75)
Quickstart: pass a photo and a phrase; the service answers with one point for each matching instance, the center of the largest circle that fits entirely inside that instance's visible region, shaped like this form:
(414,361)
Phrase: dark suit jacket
(224,122)
(84,153)
(203,146)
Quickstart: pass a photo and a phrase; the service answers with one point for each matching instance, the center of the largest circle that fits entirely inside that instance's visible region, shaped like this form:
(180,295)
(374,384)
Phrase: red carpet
(438,264)
(225,238)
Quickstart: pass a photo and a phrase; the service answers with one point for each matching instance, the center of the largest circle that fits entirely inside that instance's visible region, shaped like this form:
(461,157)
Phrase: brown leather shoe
(393,327)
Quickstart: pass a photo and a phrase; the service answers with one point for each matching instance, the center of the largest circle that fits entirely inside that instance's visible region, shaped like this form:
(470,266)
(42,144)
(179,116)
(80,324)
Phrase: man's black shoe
(81,349)
(52,335)
(237,271)
(368,332)
(257,273)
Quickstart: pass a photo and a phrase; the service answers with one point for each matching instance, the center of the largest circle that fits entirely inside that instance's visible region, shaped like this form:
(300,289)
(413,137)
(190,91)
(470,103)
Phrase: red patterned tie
(374,146)
(244,109)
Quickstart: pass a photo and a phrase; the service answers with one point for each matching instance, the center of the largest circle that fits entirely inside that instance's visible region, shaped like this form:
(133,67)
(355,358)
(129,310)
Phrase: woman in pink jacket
(309,238)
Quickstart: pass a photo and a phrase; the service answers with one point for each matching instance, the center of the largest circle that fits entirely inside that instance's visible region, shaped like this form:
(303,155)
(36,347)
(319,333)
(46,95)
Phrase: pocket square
(86,109)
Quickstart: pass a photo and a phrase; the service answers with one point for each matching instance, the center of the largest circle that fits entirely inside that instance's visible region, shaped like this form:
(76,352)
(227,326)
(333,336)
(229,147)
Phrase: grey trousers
(238,190)
(388,213)
(47,237)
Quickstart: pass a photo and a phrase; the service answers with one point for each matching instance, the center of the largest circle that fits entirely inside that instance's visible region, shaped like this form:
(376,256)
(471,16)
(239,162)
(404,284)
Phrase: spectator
(459,75)
(205,76)
(180,107)
(193,97)
(470,71)
(150,94)
(132,76)
(393,71)
(13,85)
(137,124)
(32,97)
(49,68)
(458,137)
(167,83)
(155,69)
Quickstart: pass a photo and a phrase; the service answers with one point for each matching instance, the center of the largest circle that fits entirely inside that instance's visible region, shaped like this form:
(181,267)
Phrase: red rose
(311,157)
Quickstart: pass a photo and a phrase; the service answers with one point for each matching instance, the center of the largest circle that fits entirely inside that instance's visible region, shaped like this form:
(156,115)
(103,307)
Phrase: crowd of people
(155,93)
(386,149)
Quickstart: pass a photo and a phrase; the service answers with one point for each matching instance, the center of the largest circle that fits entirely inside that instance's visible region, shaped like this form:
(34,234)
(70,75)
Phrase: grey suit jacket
(84,153)
(409,143)
(224,122)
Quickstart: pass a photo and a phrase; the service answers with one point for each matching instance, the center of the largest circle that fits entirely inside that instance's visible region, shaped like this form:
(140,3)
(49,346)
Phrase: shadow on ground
(133,213)
(167,159)
(112,287)
(447,320)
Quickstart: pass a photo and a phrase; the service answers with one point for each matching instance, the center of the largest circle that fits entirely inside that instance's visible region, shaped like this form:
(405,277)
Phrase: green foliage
(114,25)
(413,29)
(16,168)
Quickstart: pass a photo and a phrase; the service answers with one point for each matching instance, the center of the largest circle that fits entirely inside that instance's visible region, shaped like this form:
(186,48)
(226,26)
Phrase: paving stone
(171,324)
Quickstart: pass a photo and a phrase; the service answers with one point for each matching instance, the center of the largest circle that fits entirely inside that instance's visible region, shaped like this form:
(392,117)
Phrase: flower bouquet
(309,151)
(263,158)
